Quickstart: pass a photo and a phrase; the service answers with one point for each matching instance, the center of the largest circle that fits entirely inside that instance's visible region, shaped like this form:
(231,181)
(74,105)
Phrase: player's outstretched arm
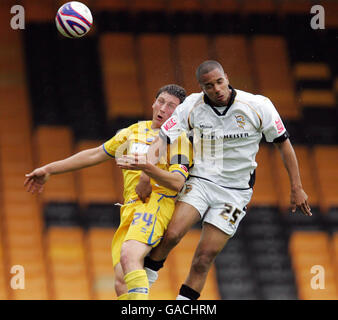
(170,180)
(298,196)
(35,180)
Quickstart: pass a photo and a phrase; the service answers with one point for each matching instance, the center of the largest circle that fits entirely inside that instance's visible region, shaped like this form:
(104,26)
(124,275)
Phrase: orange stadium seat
(68,263)
(184,5)
(294,7)
(40,10)
(157,67)
(232,53)
(224,6)
(120,72)
(95,183)
(100,263)
(179,262)
(308,251)
(3,271)
(192,50)
(306,173)
(266,188)
(274,80)
(258,6)
(327,174)
(331,9)
(317,98)
(147,5)
(61,187)
(311,71)
(116,5)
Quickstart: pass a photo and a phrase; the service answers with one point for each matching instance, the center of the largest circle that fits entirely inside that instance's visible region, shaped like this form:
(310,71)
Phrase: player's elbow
(178,184)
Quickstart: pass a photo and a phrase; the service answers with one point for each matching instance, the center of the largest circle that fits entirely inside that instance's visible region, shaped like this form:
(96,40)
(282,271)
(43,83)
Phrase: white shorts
(222,207)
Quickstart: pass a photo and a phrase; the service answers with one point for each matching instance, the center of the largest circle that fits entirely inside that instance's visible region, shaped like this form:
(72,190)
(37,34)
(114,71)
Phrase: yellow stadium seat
(265,189)
(317,98)
(327,174)
(121,76)
(236,64)
(157,66)
(192,50)
(275,80)
(306,173)
(95,183)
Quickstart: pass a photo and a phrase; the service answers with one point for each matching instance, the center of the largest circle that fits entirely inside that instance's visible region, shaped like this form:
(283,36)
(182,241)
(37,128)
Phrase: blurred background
(59,96)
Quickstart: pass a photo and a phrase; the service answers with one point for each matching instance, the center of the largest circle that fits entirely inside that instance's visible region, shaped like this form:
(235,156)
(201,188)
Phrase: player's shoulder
(138,126)
(193,99)
(253,100)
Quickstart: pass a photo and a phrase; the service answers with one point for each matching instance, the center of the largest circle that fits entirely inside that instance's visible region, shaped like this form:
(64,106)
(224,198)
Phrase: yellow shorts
(144,222)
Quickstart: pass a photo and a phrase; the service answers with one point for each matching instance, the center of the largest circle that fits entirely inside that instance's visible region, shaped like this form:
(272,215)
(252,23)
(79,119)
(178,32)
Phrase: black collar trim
(215,108)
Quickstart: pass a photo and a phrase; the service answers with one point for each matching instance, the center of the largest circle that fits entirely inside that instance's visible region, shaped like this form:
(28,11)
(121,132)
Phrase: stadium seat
(163,288)
(147,5)
(157,66)
(307,177)
(311,71)
(95,183)
(317,98)
(61,187)
(3,271)
(266,188)
(180,262)
(287,7)
(67,260)
(120,73)
(40,11)
(184,5)
(192,50)
(324,158)
(100,263)
(260,6)
(236,64)
(308,251)
(223,6)
(116,5)
(275,80)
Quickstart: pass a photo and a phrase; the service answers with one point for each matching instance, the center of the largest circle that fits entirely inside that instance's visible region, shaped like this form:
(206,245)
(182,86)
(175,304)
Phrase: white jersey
(226,144)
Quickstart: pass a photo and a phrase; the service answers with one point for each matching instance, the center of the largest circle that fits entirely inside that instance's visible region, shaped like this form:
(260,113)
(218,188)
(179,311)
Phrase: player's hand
(35,180)
(299,200)
(132,162)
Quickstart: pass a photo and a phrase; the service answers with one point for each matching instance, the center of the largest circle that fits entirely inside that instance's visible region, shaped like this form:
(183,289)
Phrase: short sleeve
(181,152)
(272,124)
(178,122)
(180,168)
(111,146)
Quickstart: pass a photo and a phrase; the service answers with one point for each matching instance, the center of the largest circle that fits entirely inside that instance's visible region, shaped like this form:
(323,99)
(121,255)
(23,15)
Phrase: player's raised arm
(298,195)
(37,178)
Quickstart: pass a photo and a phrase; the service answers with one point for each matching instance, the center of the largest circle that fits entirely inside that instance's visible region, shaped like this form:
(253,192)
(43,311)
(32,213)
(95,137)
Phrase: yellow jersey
(137,138)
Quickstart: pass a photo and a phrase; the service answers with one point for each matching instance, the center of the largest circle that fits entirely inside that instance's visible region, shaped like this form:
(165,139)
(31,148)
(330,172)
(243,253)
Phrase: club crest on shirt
(188,188)
(240,121)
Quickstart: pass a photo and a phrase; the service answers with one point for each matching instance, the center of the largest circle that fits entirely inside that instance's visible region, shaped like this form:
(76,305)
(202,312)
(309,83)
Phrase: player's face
(163,107)
(215,85)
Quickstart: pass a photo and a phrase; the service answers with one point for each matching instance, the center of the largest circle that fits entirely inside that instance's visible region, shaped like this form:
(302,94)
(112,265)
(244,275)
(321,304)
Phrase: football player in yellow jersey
(143,221)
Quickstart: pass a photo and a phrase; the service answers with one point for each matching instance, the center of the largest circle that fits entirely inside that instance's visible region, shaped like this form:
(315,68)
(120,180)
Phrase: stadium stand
(49,111)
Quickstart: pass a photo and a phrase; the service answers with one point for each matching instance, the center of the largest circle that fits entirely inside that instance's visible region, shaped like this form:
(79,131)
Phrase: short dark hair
(206,67)
(174,90)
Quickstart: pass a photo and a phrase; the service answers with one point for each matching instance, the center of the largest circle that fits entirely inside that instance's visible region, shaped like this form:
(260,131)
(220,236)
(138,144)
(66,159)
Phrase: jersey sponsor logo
(205,126)
(184,167)
(279,125)
(240,121)
(170,123)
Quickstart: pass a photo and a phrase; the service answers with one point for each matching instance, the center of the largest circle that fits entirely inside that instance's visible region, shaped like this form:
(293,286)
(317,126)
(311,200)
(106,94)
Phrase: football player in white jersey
(227,126)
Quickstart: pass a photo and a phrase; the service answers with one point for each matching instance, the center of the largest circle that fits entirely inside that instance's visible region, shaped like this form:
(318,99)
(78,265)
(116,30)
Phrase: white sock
(152,276)
(179,297)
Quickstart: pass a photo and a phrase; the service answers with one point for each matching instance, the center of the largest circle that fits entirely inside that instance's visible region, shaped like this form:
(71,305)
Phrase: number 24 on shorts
(146,217)
(230,212)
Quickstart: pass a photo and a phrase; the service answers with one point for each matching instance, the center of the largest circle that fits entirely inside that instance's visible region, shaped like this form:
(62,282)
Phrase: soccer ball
(73,19)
